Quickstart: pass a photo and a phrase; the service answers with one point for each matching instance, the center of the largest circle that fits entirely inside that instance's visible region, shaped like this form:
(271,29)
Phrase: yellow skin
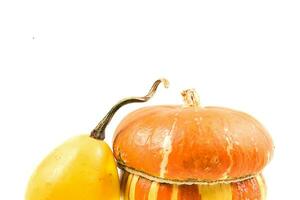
(83,168)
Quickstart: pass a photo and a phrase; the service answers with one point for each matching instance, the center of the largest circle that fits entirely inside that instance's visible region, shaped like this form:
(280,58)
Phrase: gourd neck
(99,131)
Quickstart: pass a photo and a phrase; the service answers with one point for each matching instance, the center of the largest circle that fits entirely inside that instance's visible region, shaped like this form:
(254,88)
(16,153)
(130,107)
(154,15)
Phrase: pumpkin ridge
(185,182)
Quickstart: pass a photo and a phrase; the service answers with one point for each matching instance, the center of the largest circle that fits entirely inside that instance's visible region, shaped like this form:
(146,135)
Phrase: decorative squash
(189,147)
(81,168)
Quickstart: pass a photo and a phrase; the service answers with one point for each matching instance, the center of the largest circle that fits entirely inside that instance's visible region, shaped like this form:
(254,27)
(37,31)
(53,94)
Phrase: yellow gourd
(82,168)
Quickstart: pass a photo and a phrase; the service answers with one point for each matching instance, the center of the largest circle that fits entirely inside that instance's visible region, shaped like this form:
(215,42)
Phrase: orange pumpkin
(189,146)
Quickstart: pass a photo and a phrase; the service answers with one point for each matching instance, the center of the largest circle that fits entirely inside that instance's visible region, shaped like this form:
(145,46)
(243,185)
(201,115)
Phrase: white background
(64,63)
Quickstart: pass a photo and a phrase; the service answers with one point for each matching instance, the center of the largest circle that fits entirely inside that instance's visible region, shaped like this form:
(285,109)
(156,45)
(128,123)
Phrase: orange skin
(164,191)
(187,192)
(207,143)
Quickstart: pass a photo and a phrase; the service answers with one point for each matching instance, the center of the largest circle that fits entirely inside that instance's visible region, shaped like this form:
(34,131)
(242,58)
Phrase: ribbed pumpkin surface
(134,187)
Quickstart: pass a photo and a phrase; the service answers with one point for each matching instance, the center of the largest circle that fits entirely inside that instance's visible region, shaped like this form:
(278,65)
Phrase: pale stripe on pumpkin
(174,192)
(167,149)
(153,191)
(261,187)
(128,187)
(134,180)
(229,153)
(215,192)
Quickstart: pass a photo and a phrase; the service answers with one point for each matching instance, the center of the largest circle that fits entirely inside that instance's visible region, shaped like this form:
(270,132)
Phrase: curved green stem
(99,130)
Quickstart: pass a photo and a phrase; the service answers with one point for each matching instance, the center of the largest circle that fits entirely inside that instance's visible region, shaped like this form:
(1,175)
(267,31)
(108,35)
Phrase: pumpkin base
(134,187)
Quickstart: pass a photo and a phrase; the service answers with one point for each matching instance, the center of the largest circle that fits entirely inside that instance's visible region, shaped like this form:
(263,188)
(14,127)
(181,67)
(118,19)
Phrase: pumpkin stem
(99,130)
(190,98)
